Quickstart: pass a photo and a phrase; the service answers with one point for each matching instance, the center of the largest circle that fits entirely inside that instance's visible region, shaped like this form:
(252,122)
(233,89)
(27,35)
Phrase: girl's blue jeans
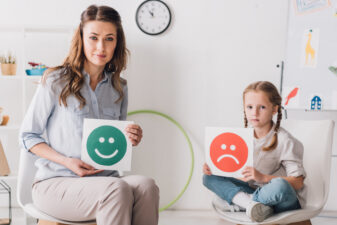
(278,193)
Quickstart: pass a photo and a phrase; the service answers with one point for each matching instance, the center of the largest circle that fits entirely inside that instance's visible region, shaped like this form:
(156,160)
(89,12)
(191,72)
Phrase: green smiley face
(106,145)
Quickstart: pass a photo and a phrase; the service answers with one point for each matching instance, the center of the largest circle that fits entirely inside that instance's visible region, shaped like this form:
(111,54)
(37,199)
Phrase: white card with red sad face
(229,150)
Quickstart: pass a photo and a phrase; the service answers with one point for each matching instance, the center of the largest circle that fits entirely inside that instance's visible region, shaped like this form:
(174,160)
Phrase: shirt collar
(106,76)
(270,133)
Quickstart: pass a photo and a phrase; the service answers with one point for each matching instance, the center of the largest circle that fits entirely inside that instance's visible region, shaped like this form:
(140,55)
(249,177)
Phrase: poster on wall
(311,61)
(309,49)
(310,6)
(228,150)
(105,144)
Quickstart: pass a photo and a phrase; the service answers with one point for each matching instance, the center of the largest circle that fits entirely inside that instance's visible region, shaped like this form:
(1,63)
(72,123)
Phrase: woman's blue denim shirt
(61,127)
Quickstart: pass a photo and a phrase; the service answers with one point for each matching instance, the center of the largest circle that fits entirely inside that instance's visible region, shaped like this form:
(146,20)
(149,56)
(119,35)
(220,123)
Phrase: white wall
(195,72)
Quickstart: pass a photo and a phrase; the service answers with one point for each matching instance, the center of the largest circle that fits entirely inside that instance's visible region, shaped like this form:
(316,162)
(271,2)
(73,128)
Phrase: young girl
(275,182)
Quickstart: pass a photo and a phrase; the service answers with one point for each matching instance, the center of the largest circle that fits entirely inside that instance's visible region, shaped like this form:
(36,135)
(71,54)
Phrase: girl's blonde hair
(71,69)
(274,97)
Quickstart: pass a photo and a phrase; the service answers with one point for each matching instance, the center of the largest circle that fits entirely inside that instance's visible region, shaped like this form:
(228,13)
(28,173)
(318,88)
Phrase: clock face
(153,17)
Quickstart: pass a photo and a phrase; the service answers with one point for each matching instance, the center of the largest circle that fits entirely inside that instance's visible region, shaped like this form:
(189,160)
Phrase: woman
(87,85)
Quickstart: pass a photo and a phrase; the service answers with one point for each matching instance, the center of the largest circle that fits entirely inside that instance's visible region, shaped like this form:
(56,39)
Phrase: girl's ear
(275,109)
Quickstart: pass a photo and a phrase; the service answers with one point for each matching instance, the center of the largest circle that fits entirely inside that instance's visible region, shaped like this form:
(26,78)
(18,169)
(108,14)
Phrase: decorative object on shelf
(8,64)
(36,70)
(4,168)
(3,118)
(153,17)
(6,189)
(316,103)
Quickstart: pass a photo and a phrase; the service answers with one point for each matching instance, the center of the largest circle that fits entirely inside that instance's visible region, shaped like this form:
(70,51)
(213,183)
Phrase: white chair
(316,136)
(26,175)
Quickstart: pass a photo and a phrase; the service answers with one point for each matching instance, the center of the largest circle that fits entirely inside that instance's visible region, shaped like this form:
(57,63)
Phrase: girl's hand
(135,133)
(250,173)
(80,168)
(206,169)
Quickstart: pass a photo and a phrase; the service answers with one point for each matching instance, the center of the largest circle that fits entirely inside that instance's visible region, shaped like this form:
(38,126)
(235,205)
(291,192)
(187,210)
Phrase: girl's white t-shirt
(285,160)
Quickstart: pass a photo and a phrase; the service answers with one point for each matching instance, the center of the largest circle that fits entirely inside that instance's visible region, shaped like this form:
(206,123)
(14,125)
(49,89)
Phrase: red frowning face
(229,152)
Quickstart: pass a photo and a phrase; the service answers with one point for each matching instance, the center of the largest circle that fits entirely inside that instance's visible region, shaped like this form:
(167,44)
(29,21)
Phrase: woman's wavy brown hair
(274,97)
(71,69)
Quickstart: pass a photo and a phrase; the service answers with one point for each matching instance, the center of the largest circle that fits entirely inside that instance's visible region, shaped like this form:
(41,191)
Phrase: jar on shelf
(8,64)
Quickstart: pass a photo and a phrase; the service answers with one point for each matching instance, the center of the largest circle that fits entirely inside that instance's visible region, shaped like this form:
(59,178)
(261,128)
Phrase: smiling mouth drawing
(230,156)
(106,156)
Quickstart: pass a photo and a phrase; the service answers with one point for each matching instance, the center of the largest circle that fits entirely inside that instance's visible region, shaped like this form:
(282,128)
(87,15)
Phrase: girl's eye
(262,107)
(109,39)
(249,107)
(93,38)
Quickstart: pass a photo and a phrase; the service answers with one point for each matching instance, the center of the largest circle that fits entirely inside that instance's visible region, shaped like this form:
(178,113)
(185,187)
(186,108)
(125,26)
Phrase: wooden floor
(4,221)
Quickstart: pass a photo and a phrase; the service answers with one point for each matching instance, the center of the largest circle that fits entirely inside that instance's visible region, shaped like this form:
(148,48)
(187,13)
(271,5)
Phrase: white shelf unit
(41,44)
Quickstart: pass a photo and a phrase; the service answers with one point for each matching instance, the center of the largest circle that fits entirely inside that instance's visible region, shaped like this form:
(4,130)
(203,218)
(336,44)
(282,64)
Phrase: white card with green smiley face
(105,144)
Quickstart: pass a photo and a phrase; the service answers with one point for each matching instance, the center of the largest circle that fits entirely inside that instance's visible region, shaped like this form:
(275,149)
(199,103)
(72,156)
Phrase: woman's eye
(109,39)
(262,107)
(249,107)
(93,38)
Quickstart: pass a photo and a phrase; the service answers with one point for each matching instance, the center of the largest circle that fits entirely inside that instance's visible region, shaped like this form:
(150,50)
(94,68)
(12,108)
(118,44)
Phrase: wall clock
(153,17)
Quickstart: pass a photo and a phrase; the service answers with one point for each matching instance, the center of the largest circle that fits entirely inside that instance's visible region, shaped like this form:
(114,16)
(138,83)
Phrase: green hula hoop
(189,144)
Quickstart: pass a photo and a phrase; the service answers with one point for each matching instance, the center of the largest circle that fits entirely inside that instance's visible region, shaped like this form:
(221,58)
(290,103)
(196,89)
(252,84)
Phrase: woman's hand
(250,173)
(135,133)
(206,169)
(80,168)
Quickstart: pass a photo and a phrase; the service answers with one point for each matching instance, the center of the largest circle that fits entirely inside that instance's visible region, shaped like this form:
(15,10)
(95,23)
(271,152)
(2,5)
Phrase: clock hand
(151,13)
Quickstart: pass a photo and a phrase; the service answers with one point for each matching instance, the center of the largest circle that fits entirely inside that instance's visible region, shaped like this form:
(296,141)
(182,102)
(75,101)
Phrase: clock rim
(167,26)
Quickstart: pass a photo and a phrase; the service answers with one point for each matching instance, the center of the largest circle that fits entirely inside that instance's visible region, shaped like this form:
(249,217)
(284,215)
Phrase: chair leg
(306,222)
(46,222)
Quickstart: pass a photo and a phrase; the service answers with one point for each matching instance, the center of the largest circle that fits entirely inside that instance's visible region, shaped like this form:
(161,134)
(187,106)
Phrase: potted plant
(8,64)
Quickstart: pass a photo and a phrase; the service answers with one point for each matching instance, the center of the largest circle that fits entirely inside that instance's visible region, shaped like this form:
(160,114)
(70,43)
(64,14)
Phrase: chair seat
(280,218)
(35,212)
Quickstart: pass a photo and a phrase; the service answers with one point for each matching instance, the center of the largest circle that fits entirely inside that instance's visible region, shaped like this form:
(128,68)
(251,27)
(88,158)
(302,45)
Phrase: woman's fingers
(134,129)
(90,169)
(86,166)
(135,133)
(206,169)
(86,172)
(81,168)
(92,172)
(134,137)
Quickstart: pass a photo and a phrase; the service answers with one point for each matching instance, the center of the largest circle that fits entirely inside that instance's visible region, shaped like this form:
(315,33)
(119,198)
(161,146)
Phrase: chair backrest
(26,176)
(316,137)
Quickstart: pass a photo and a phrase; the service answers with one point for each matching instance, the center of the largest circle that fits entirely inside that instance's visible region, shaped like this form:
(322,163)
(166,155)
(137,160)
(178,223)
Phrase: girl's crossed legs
(278,193)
